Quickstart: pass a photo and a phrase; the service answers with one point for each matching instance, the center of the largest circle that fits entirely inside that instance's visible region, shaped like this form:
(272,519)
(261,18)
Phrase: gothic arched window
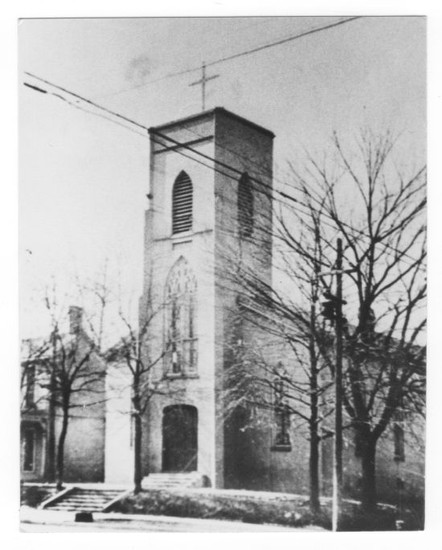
(182,198)
(181,339)
(245,206)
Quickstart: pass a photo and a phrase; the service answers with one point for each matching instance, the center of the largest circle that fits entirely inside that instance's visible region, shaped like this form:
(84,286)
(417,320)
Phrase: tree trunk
(60,450)
(369,475)
(314,444)
(314,467)
(138,434)
(138,474)
(50,446)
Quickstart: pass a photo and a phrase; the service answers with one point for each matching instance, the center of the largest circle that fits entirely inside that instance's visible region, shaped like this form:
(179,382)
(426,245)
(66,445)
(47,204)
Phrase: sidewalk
(32,520)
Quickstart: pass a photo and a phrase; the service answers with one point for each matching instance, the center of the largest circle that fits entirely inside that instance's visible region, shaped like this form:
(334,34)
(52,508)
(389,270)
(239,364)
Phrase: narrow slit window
(30,386)
(28,450)
(245,206)
(182,199)
(282,418)
(399,442)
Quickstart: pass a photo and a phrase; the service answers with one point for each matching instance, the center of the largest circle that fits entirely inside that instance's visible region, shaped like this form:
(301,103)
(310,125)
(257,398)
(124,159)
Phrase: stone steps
(84,500)
(174,481)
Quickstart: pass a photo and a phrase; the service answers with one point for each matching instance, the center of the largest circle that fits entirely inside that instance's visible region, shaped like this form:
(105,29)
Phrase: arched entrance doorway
(180,438)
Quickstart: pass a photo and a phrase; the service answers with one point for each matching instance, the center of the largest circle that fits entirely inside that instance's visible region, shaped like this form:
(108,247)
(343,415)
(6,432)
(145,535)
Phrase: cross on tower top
(203,81)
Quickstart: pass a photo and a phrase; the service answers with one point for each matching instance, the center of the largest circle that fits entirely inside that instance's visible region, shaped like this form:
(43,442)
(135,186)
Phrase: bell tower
(211,193)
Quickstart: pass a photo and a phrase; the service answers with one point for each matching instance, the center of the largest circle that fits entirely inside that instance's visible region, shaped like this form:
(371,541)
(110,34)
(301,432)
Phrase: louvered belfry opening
(182,196)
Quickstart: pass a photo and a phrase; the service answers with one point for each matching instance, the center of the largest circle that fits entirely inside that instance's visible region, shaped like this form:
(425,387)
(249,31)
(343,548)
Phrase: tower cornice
(217,111)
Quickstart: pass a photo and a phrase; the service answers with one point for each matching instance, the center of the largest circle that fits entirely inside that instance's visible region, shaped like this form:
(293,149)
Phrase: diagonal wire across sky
(237,55)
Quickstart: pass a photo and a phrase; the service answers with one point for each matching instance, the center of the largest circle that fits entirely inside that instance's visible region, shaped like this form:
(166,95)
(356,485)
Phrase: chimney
(75,319)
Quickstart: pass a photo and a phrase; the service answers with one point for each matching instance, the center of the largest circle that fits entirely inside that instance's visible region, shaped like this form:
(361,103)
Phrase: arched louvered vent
(182,204)
(245,206)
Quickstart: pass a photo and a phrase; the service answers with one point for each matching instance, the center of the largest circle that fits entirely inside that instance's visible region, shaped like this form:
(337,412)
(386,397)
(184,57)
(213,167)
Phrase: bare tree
(67,368)
(294,390)
(362,197)
(284,316)
(133,355)
(357,194)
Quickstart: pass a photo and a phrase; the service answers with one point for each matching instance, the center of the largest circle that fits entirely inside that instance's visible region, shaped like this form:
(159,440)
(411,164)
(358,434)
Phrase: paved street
(37,521)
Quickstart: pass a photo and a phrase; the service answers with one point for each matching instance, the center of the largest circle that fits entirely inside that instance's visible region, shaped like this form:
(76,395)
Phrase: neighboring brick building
(84,446)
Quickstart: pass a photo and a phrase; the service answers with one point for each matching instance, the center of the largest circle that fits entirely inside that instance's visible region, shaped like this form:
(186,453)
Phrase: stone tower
(211,186)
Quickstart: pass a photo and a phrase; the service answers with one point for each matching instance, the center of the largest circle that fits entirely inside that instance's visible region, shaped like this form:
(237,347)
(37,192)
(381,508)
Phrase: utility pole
(332,311)
(314,455)
(314,413)
(337,466)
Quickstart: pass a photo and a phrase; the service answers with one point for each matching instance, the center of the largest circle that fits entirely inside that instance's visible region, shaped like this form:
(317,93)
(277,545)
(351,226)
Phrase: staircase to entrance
(182,480)
(79,499)
(100,499)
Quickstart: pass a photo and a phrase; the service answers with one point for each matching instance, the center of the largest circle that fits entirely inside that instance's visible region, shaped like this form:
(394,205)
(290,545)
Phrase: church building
(210,208)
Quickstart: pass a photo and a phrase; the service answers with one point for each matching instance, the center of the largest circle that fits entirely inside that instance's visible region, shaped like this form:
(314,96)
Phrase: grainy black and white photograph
(222,274)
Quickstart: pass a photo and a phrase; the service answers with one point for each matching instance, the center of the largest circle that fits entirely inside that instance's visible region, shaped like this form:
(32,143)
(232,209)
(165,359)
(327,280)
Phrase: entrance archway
(180,438)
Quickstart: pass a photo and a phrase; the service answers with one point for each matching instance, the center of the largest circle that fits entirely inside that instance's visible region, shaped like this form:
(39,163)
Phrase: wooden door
(180,438)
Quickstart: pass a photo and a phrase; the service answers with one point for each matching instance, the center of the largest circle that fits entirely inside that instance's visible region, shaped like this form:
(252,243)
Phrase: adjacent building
(45,365)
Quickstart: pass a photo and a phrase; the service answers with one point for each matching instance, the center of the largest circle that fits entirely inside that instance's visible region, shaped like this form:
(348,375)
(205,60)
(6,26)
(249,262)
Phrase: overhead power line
(178,144)
(238,54)
(283,41)
(82,98)
(36,88)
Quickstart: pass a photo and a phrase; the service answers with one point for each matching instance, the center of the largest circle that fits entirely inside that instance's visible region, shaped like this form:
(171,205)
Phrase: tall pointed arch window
(182,204)
(181,337)
(245,206)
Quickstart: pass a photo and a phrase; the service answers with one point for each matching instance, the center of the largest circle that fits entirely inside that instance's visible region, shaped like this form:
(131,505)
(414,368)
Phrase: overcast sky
(83,179)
